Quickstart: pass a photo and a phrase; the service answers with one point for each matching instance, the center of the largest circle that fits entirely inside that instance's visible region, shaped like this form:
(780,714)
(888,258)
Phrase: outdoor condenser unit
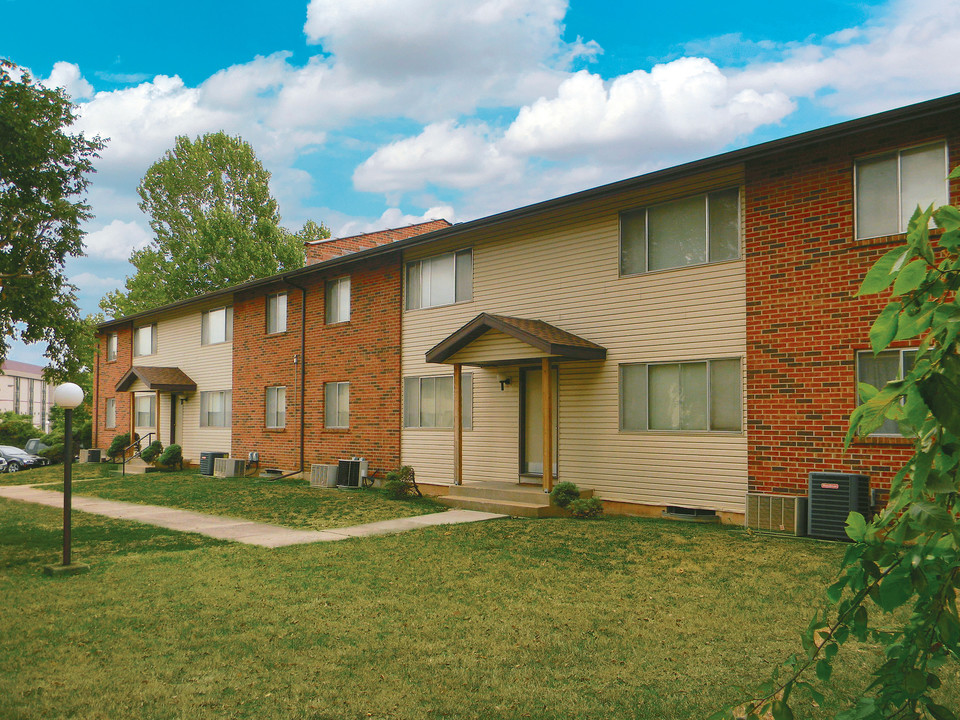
(323,475)
(206,461)
(833,496)
(229,467)
(777,513)
(351,472)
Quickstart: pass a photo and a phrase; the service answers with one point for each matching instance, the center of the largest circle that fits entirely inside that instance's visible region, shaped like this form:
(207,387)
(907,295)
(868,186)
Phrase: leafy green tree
(17,429)
(44,172)
(898,581)
(214,221)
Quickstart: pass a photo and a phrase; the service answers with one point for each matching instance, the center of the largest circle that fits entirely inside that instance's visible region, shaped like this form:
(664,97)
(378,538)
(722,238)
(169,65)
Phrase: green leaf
(938,482)
(930,516)
(909,326)
(835,591)
(780,710)
(882,274)
(947,217)
(910,278)
(942,396)
(895,589)
(824,670)
(867,392)
(914,682)
(856,526)
(939,712)
(884,327)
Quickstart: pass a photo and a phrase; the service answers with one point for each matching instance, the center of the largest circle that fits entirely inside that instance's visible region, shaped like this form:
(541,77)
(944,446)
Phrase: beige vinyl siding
(494,345)
(564,270)
(209,366)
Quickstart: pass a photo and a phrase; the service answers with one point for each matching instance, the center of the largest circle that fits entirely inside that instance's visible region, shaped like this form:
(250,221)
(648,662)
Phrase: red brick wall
(107,375)
(338,247)
(804,324)
(364,352)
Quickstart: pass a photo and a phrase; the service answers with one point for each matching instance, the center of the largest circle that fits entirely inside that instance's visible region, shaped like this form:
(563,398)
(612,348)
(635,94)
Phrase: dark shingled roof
(536,333)
(167,379)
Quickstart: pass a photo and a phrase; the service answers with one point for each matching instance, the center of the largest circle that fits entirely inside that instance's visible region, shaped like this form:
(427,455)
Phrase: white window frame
(898,153)
(110,413)
(151,412)
(276,313)
(209,323)
(336,405)
(709,399)
(466,391)
(137,332)
(418,273)
(220,418)
(902,352)
(644,212)
(113,344)
(276,420)
(337,300)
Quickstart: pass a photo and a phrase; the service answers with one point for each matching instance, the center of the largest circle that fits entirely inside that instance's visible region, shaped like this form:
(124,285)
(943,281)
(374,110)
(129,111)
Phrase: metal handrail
(138,444)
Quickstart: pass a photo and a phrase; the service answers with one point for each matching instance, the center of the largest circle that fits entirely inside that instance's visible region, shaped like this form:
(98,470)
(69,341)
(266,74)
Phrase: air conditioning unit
(323,475)
(229,467)
(91,455)
(206,461)
(348,473)
(833,496)
(776,513)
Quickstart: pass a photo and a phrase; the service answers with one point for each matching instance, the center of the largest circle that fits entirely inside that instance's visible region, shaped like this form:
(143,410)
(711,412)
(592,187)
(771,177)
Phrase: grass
(292,503)
(620,617)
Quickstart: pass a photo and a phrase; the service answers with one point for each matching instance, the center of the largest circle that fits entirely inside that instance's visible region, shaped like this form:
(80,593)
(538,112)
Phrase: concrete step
(515,493)
(136,467)
(502,507)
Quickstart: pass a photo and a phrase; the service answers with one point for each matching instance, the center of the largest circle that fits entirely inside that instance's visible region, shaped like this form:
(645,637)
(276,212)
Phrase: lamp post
(68,396)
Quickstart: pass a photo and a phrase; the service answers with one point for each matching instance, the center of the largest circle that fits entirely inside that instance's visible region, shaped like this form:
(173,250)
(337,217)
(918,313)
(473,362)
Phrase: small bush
(54,453)
(396,489)
(151,452)
(564,493)
(118,444)
(172,455)
(401,483)
(586,508)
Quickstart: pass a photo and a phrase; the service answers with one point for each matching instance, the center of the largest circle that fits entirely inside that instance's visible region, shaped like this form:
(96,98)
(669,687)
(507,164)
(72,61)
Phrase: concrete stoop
(136,467)
(505,499)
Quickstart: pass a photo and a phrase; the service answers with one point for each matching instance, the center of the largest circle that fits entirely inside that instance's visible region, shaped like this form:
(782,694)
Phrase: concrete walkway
(235,529)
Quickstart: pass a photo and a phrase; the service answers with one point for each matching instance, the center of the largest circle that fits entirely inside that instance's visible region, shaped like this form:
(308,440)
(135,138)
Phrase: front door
(531,422)
(174,419)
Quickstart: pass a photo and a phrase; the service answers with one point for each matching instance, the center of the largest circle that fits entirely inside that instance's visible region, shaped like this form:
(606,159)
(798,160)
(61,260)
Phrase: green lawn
(616,618)
(289,502)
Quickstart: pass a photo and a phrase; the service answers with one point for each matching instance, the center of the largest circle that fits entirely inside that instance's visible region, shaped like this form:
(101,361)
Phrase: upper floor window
(889,187)
(276,313)
(112,344)
(878,370)
(440,280)
(276,407)
(691,231)
(692,396)
(145,340)
(216,326)
(338,300)
(216,408)
(337,405)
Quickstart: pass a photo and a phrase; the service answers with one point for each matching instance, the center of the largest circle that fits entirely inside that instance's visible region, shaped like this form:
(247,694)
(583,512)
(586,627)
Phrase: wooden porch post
(546,392)
(156,416)
(457,425)
(133,414)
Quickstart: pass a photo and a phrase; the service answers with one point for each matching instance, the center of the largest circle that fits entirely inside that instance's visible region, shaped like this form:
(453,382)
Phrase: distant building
(23,390)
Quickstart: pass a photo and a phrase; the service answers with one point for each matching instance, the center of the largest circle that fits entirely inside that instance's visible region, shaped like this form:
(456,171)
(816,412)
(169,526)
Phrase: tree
(899,580)
(214,221)
(44,171)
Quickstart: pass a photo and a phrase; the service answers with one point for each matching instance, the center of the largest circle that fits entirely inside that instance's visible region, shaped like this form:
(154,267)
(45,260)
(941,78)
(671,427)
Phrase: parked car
(18,459)
(35,447)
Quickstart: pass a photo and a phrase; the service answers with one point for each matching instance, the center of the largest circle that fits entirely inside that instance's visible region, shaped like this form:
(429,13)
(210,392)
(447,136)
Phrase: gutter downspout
(303,363)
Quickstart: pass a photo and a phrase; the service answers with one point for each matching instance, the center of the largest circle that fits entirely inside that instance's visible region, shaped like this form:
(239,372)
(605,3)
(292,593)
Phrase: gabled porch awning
(164,379)
(510,341)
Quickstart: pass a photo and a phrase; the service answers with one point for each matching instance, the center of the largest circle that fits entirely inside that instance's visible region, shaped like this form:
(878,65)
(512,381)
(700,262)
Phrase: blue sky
(378,113)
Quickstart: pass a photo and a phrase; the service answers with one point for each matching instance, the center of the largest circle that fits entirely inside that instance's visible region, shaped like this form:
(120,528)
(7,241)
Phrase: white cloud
(86,281)
(393,218)
(68,76)
(116,241)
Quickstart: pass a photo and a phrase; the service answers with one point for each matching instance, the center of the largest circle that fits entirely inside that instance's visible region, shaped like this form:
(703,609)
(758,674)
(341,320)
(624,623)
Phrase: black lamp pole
(67,480)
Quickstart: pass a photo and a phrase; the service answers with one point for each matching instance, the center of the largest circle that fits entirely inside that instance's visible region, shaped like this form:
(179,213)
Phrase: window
(428,401)
(145,340)
(146,408)
(112,343)
(690,231)
(440,280)
(216,408)
(337,405)
(16,395)
(701,395)
(111,412)
(276,313)
(878,370)
(889,187)
(216,326)
(276,407)
(338,300)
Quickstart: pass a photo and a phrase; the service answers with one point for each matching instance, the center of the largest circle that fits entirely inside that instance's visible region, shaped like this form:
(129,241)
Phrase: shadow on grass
(32,536)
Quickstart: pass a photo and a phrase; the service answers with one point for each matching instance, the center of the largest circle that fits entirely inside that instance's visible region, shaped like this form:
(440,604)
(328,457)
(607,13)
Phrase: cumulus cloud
(116,241)
(87,281)
(68,76)
(393,218)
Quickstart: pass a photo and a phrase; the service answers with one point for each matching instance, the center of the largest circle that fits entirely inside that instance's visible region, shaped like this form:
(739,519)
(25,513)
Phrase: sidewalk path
(235,529)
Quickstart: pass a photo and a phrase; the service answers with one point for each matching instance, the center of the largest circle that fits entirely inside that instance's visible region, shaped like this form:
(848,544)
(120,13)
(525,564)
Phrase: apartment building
(23,390)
